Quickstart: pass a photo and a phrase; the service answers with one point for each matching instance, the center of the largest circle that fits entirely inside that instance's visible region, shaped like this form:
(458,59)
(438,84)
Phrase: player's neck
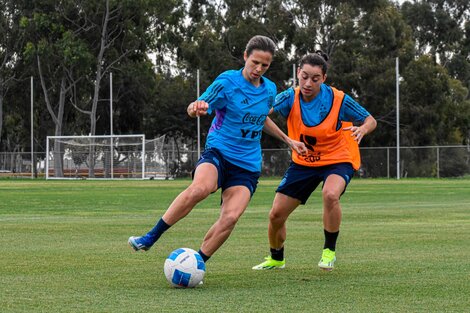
(254,82)
(309,98)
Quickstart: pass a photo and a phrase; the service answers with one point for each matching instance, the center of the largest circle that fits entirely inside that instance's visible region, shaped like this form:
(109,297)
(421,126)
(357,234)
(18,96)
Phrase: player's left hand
(357,132)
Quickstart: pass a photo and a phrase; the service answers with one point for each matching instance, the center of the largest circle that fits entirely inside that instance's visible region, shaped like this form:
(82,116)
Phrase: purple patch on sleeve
(220,116)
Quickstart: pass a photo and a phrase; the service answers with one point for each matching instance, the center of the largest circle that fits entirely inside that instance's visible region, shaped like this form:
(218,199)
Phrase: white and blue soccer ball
(185,268)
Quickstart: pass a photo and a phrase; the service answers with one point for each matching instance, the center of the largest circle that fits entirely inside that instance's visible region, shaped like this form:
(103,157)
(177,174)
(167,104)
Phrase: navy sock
(277,254)
(330,240)
(203,256)
(157,230)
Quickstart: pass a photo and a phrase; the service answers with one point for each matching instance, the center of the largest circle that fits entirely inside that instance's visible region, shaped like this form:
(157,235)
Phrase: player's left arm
(272,129)
(354,112)
(358,132)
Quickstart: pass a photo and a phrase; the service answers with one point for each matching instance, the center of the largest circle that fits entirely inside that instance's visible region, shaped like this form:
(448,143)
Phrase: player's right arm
(212,99)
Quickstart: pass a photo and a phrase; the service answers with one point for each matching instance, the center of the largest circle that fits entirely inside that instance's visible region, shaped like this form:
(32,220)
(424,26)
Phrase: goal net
(95,157)
(156,160)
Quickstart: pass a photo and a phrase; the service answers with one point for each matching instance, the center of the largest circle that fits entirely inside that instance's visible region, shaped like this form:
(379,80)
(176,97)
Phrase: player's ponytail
(323,55)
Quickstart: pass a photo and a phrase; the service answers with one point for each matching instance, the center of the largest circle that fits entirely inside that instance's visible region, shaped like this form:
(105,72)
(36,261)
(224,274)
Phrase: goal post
(95,157)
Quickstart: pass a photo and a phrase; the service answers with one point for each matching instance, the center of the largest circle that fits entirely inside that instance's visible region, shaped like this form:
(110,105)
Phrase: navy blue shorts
(229,174)
(300,181)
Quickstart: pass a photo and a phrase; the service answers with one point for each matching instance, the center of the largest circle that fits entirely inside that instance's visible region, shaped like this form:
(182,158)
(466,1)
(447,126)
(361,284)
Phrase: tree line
(155,47)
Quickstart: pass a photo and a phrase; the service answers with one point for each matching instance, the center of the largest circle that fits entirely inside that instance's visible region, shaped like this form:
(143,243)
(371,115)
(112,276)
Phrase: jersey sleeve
(284,102)
(215,95)
(351,111)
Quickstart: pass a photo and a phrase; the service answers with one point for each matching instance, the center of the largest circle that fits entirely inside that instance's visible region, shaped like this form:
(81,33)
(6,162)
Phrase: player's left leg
(234,202)
(332,190)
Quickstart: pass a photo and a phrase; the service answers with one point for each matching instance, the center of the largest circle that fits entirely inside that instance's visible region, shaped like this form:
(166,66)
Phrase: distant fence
(426,161)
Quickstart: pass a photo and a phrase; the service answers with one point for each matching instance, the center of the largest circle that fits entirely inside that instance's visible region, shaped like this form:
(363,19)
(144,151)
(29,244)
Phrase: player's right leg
(283,206)
(204,183)
(234,203)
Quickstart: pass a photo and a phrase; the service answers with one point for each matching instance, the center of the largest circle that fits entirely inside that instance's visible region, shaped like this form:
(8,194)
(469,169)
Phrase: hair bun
(323,55)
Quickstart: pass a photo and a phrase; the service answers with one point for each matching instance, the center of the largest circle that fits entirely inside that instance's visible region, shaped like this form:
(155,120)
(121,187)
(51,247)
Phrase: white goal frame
(112,141)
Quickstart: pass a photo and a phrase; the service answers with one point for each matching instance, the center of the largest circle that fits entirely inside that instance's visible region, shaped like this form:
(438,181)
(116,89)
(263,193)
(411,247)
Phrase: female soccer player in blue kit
(321,116)
(241,100)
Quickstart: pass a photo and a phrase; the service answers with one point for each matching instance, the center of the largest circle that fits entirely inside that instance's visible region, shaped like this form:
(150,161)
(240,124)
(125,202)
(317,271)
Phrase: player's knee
(330,196)
(230,220)
(198,193)
(276,216)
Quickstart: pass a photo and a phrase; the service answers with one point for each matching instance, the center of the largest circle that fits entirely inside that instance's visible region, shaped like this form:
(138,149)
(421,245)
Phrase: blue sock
(157,231)
(203,256)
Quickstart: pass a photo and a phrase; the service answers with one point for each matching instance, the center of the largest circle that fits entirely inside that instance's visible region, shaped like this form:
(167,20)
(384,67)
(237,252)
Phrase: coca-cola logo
(254,119)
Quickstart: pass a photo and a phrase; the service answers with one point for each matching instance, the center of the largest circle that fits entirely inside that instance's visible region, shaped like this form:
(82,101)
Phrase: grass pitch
(404,246)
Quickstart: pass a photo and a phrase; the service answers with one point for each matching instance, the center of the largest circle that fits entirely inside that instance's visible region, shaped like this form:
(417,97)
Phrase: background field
(404,247)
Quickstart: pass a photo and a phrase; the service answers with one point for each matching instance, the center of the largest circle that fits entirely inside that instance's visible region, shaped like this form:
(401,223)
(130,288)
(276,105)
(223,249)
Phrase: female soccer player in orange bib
(322,117)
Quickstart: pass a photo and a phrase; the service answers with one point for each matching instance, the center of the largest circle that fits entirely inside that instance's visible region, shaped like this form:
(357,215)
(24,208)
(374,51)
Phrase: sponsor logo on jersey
(310,142)
(254,119)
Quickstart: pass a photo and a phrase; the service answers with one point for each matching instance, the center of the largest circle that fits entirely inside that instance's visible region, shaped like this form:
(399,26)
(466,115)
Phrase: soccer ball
(185,268)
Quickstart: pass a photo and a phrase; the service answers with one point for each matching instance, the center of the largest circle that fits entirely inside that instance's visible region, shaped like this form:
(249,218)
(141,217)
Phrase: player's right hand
(299,147)
(198,108)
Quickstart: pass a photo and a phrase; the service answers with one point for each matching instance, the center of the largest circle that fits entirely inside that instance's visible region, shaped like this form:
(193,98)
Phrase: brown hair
(319,58)
(262,43)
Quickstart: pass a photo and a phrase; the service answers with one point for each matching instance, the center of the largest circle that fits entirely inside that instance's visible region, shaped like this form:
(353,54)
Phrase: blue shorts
(300,181)
(229,174)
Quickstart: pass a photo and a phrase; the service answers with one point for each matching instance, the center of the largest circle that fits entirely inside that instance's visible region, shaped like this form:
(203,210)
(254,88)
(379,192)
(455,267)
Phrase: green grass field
(404,246)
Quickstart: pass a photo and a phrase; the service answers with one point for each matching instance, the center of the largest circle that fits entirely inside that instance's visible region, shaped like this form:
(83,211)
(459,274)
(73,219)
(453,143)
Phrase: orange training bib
(325,144)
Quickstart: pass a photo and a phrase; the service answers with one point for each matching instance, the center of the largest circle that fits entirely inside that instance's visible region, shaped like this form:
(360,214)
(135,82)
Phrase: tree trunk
(58,151)
(1,108)
(96,91)
(58,119)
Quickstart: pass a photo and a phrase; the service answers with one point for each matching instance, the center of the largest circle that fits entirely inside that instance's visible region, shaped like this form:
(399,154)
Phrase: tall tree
(76,44)
(383,37)
(437,25)
(10,48)
(441,28)
(57,54)
(434,105)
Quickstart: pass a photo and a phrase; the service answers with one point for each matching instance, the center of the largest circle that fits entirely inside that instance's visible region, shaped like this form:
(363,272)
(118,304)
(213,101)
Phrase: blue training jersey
(240,111)
(315,111)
